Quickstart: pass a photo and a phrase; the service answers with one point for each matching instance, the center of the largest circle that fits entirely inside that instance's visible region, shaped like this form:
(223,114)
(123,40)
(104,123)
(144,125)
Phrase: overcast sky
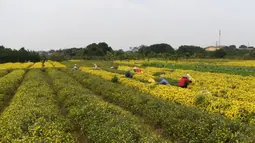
(55,24)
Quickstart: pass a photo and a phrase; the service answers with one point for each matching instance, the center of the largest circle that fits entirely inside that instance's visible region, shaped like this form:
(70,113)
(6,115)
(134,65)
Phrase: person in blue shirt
(163,81)
(128,74)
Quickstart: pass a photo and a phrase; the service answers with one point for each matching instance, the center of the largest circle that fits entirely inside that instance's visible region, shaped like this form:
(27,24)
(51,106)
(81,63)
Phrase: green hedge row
(99,120)
(184,124)
(32,115)
(244,71)
(8,85)
(3,72)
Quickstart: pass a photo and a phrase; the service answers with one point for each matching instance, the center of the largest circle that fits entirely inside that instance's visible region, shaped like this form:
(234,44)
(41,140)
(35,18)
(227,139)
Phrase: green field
(59,104)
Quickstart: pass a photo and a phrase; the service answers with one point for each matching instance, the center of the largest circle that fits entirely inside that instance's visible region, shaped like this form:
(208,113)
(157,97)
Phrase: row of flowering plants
(230,95)
(15,65)
(100,121)
(8,85)
(33,115)
(178,122)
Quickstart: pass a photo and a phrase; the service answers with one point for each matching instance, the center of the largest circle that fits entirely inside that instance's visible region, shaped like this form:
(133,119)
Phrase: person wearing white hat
(185,81)
(95,67)
(135,68)
(75,67)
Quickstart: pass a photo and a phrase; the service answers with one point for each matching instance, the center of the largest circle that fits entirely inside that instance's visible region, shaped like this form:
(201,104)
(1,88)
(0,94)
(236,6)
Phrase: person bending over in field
(137,70)
(185,81)
(128,74)
(96,67)
(114,67)
(44,60)
(163,81)
(75,67)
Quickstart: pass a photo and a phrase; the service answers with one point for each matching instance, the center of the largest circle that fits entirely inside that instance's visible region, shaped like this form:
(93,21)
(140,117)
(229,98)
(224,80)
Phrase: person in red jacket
(137,70)
(184,81)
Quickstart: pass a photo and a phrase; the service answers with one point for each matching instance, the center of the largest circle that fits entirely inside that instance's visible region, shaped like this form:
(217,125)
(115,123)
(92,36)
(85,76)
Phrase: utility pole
(219,37)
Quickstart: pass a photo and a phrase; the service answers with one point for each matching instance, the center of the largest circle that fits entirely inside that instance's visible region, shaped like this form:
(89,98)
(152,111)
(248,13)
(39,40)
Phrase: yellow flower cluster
(125,68)
(39,65)
(233,105)
(219,84)
(74,60)
(34,108)
(57,65)
(147,74)
(15,65)
(130,62)
(241,63)
(245,63)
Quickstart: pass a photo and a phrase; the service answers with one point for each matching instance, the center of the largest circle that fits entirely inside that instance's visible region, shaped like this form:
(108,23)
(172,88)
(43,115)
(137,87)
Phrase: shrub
(115,79)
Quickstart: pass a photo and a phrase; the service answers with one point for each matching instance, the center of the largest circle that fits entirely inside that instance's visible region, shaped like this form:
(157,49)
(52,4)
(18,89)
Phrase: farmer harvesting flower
(75,67)
(128,74)
(95,67)
(114,67)
(185,81)
(137,70)
(163,81)
(44,60)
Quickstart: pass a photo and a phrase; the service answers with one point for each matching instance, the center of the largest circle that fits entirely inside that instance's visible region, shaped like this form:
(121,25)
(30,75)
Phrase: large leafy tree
(220,53)
(156,49)
(21,55)
(190,51)
(94,49)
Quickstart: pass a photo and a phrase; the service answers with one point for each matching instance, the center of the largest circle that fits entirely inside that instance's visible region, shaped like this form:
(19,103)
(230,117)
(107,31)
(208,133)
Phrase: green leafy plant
(115,79)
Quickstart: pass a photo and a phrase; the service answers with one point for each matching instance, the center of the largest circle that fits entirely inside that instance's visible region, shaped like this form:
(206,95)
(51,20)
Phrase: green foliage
(115,79)
(202,100)
(32,115)
(183,124)
(3,72)
(102,51)
(252,54)
(220,53)
(158,73)
(230,49)
(22,55)
(94,49)
(8,85)
(244,71)
(156,49)
(101,121)
(243,47)
(191,51)
(56,57)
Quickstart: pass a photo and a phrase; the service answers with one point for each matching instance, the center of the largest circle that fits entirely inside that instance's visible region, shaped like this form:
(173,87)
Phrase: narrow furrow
(3,73)
(99,120)
(8,86)
(184,124)
(32,115)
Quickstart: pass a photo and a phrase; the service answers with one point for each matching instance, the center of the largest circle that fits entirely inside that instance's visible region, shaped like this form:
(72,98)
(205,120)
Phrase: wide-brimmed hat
(186,75)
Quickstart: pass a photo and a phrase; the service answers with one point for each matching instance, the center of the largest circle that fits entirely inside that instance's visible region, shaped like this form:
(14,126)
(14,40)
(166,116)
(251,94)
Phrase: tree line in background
(164,51)
(21,55)
(102,51)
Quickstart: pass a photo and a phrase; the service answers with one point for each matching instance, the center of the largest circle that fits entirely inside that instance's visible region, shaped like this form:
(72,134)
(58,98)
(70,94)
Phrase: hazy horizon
(59,24)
